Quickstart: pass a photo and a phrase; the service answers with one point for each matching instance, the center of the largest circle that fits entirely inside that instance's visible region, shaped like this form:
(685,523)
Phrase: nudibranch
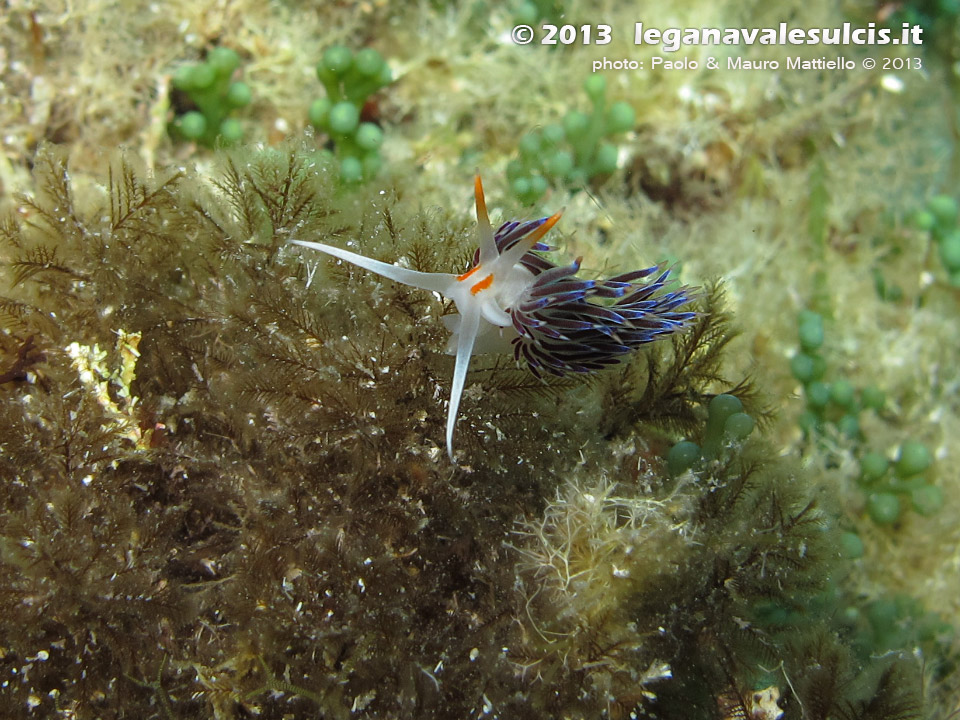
(555,322)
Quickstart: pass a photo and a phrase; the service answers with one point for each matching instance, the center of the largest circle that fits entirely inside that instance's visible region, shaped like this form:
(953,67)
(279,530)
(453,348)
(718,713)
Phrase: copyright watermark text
(672,39)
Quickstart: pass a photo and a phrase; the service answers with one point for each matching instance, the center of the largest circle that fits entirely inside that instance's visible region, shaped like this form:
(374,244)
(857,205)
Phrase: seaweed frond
(133,203)
(53,211)
(289,190)
(665,388)
(10,232)
(40,259)
(284,194)
(15,312)
(897,696)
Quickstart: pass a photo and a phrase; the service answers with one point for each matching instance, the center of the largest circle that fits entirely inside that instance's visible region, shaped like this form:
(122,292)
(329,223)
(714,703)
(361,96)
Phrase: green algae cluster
(939,218)
(726,424)
(224,493)
(574,151)
(210,87)
(349,80)
(836,407)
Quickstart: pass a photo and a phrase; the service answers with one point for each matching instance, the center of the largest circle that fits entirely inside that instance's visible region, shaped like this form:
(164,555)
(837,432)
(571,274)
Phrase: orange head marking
(482,285)
(468,273)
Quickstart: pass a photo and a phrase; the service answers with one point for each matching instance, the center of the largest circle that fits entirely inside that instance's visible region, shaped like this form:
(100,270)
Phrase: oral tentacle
(434,282)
